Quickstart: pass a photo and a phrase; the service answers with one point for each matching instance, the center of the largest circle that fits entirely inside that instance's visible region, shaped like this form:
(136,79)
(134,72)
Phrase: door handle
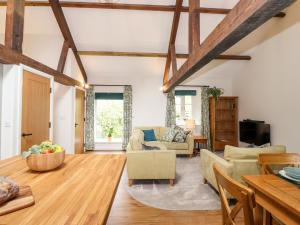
(26,135)
(76,124)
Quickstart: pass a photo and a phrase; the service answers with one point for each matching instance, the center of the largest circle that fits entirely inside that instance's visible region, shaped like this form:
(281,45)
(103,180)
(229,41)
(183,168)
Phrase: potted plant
(215,92)
(110,132)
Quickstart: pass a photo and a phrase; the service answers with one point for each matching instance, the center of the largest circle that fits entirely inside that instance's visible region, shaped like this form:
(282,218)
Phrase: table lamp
(190,125)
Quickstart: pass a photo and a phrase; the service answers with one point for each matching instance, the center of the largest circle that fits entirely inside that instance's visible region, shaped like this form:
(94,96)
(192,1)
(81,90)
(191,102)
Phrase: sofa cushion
(149,135)
(180,135)
(136,140)
(232,152)
(163,131)
(176,145)
(156,131)
(169,135)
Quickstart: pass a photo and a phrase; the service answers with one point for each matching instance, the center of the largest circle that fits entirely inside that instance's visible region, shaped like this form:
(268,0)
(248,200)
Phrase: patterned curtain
(127,128)
(171,109)
(89,121)
(205,123)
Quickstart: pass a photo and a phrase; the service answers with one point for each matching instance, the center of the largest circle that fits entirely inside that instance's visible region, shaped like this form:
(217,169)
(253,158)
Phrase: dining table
(81,191)
(277,196)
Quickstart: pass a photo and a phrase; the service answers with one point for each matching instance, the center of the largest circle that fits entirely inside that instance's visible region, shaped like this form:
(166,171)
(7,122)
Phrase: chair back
(244,196)
(267,160)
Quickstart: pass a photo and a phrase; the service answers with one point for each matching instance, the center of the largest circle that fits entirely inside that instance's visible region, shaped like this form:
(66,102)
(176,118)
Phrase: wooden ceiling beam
(175,24)
(63,57)
(13,57)
(244,18)
(194,25)
(173,58)
(157,55)
(14,24)
(121,6)
(63,25)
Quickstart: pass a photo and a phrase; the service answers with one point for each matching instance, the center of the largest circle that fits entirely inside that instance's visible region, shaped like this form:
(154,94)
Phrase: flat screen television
(254,132)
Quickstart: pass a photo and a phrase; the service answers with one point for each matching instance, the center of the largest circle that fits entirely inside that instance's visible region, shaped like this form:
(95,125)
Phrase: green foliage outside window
(109,118)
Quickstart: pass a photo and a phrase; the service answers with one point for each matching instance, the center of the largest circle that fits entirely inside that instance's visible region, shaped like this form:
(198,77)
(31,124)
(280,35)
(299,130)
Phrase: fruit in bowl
(44,157)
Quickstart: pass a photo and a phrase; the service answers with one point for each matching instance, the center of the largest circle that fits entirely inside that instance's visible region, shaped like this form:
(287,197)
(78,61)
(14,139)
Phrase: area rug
(188,193)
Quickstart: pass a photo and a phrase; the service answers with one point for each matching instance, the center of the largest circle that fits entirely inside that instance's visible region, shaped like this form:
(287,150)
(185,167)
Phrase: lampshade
(190,124)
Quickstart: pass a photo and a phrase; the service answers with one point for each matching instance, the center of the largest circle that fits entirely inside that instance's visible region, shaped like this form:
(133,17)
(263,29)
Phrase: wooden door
(79,121)
(35,110)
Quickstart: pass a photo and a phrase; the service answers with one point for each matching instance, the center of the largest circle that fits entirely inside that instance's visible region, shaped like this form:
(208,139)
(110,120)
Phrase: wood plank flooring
(128,211)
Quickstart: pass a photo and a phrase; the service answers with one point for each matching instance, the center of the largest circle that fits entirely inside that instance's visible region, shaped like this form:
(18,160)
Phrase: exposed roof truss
(244,18)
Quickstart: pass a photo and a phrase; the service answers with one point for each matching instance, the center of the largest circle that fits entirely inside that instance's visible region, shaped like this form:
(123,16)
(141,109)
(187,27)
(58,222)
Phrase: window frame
(96,102)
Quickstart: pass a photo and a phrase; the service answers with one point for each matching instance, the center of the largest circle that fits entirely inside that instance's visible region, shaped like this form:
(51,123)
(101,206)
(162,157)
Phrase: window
(183,109)
(183,101)
(108,117)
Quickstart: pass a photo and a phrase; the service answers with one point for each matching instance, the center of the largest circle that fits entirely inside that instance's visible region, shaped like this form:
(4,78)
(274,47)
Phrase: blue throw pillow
(149,135)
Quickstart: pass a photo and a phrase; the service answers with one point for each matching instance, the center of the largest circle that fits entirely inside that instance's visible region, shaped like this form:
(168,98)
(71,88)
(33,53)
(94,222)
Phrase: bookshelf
(223,122)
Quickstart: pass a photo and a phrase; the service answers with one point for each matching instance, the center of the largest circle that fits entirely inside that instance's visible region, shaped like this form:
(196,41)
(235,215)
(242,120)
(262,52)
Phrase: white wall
(43,48)
(64,117)
(10,111)
(1,81)
(269,85)
(149,102)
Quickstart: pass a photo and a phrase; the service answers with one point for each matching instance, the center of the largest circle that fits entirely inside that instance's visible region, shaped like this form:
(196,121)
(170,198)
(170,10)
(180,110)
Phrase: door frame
(74,107)
(42,74)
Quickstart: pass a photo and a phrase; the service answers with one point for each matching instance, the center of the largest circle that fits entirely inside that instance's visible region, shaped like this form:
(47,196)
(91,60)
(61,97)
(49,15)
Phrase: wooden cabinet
(223,122)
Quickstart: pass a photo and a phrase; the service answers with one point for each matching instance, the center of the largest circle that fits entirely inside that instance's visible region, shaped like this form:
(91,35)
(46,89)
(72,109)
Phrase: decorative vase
(109,139)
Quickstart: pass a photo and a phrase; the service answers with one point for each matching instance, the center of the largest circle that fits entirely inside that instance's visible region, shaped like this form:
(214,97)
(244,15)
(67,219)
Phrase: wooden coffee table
(199,140)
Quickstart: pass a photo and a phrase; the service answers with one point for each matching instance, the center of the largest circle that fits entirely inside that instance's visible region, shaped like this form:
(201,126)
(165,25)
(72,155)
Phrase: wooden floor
(128,211)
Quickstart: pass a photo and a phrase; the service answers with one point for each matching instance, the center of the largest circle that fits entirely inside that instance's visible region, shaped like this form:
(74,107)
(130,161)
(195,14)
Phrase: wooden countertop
(80,192)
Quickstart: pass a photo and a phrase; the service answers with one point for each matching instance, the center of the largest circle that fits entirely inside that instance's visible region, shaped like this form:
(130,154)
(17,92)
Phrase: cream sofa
(149,164)
(237,162)
(137,139)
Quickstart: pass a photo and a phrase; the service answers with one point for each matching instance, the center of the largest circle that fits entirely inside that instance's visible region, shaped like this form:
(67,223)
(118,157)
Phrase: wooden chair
(244,196)
(266,160)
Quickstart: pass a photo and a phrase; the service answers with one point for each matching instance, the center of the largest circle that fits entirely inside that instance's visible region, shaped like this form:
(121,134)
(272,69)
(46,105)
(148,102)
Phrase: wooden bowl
(45,162)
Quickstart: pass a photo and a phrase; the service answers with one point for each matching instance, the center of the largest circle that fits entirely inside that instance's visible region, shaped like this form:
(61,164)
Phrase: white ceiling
(121,30)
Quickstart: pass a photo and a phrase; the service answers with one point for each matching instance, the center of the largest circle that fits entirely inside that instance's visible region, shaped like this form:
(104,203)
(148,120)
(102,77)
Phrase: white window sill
(108,142)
